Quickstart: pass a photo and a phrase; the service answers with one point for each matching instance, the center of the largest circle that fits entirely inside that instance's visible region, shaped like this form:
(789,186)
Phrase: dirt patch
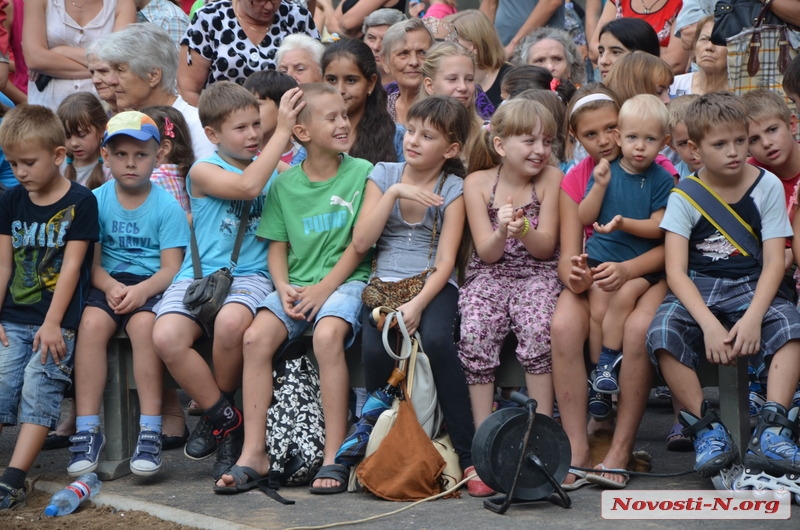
(87,517)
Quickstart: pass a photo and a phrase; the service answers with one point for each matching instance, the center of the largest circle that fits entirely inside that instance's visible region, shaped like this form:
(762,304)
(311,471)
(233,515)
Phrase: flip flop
(580,481)
(244,479)
(336,472)
(599,480)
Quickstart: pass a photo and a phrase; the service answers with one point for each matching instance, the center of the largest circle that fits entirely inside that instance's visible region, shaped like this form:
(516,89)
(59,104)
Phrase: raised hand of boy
(288,110)
(602,173)
(589,207)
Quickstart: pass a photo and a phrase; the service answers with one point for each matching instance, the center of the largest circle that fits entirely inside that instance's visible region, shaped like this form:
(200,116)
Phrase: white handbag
(420,386)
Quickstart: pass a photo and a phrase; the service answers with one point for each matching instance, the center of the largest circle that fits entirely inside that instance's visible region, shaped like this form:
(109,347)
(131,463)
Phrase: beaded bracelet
(527,227)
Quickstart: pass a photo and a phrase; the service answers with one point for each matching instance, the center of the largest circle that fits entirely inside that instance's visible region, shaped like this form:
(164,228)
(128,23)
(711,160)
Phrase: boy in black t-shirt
(48,226)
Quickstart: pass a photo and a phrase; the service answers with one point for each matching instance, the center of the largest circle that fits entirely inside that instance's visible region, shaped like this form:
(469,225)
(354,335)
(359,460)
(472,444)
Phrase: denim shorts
(344,303)
(31,392)
(248,291)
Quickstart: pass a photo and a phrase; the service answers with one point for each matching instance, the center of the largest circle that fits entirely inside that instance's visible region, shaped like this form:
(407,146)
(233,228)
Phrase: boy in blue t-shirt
(143,232)
(318,276)
(218,188)
(625,201)
(47,227)
(725,300)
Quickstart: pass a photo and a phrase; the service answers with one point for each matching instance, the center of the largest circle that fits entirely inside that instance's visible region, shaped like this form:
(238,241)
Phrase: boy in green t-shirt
(318,276)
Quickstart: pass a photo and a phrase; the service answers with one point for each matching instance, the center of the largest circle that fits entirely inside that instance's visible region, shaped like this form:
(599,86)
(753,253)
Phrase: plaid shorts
(248,291)
(673,329)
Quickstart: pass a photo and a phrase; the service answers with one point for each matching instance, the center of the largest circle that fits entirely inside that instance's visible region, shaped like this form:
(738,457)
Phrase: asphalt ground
(182,492)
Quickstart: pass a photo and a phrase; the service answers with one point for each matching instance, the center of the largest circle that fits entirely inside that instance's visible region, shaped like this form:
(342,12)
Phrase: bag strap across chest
(719,213)
(237,244)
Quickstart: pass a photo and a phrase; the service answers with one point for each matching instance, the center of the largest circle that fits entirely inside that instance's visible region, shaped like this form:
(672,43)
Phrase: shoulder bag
(206,295)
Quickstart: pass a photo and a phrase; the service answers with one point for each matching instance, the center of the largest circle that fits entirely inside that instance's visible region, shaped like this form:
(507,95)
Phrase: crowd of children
(314,189)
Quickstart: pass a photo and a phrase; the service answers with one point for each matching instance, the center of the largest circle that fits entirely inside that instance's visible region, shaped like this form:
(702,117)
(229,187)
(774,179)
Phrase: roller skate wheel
(796,498)
(738,486)
(762,493)
(718,482)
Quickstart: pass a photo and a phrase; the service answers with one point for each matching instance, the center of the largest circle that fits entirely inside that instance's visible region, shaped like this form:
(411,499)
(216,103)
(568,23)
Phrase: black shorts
(97,298)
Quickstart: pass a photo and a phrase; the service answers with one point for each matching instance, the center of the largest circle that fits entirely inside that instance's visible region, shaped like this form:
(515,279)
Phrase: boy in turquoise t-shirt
(318,276)
(218,188)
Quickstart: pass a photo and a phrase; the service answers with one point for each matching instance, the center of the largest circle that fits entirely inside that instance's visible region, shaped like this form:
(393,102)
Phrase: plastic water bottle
(67,500)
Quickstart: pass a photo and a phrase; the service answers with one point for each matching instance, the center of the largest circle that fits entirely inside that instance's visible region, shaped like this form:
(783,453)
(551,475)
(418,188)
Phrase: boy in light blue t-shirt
(143,233)
(219,187)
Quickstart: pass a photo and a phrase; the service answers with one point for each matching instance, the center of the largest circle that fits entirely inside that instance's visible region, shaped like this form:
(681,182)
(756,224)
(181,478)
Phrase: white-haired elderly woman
(405,46)
(231,39)
(555,50)
(374,28)
(144,69)
(299,57)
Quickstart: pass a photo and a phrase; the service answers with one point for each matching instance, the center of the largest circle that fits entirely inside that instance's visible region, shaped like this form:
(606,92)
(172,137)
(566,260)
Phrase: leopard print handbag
(393,294)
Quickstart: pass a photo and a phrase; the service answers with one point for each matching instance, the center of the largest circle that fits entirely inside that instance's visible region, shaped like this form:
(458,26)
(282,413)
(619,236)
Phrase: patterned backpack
(295,425)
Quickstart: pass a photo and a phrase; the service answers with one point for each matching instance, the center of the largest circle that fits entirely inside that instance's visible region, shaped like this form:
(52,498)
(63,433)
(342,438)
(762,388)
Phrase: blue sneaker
(600,405)
(146,459)
(604,377)
(86,447)
(713,446)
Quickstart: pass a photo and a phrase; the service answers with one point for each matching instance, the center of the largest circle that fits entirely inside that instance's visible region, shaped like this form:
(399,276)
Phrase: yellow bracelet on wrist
(527,227)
